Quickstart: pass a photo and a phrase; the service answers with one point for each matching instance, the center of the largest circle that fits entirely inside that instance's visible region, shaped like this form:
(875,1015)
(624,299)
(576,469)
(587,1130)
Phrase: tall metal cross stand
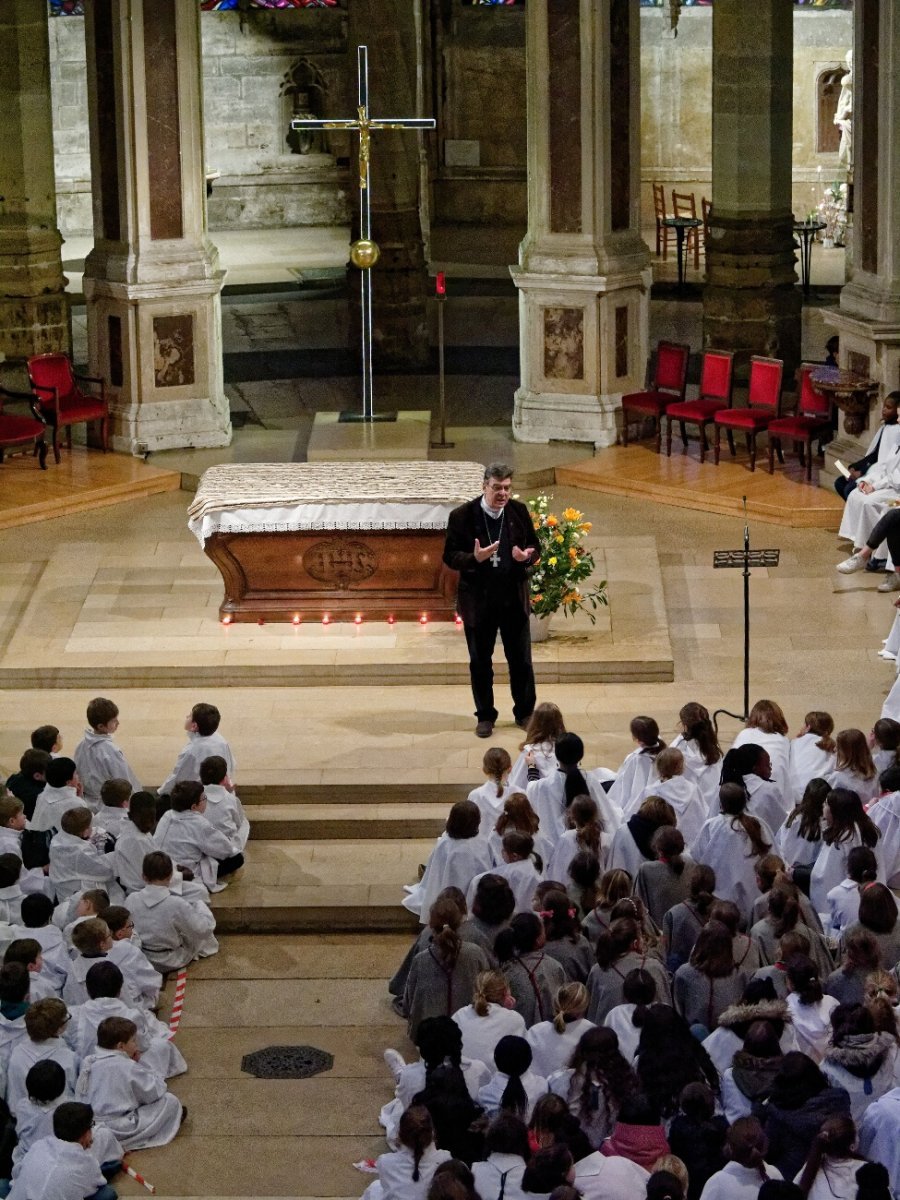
(364,253)
(745,559)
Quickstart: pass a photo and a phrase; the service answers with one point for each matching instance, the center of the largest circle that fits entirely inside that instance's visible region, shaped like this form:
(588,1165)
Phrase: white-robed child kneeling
(459,854)
(638,767)
(492,794)
(545,727)
(173,931)
(125,1093)
(37,913)
(66,1164)
(406,1173)
(194,842)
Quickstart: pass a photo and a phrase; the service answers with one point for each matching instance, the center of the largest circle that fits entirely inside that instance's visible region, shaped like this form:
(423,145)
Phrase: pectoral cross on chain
(364,125)
(495,559)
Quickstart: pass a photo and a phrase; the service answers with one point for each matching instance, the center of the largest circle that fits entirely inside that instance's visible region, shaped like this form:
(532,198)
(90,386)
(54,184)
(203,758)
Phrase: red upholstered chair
(18,430)
(60,400)
(715,391)
(763,406)
(812,420)
(667,387)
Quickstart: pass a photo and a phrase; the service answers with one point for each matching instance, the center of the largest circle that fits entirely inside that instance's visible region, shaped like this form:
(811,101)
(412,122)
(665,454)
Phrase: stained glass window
(494,2)
(223,5)
(66,8)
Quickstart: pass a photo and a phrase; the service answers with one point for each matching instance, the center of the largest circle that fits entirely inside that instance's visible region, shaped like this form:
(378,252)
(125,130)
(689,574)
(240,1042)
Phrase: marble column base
(544,417)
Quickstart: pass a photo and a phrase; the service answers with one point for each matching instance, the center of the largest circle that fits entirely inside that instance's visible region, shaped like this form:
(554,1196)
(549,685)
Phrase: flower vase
(540,627)
(828,243)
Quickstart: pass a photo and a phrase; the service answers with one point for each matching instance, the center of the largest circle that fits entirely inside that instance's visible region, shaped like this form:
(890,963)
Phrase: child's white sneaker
(395,1062)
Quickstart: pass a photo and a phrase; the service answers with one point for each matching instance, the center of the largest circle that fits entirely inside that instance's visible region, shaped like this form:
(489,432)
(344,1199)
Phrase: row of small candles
(327,619)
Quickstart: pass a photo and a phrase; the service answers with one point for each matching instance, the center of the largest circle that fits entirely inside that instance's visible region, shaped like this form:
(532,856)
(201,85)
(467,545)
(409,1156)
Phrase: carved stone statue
(843,116)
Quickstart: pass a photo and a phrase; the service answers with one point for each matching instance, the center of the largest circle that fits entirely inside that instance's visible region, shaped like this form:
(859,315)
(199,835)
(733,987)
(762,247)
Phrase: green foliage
(565,562)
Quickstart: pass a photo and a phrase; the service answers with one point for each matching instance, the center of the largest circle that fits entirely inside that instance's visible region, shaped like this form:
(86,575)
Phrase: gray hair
(497,470)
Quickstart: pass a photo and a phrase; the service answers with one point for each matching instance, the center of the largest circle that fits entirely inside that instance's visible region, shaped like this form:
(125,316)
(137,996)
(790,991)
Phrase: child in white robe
(92,942)
(489,1017)
(127,1095)
(191,841)
(638,768)
(37,912)
(766,727)
(809,1007)
(63,1166)
(845,826)
(731,844)
(135,842)
(750,767)
(89,903)
(143,980)
(104,984)
(173,931)
(675,787)
(545,726)
(12,823)
(699,744)
(406,1174)
(11,894)
(812,753)
(551,796)
(884,814)
(553,1042)
(518,814)
(202,727)
(112,816)
(799,839)
(513,1087)
(223,808)
(884,742)
(458,856)
(853,765)
(490,796)
(519,868)
(587,832)
(62,791)
(77,861)
(45,1021)
(14,984)
(46,1091)
(27,951)
(843,899)
(97,757)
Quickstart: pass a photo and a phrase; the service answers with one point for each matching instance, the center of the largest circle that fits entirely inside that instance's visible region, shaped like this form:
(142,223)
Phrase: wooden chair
(716,383)
(18,430)
(684,205)
(763,406)
(667,387)
(60,400)
(812,420)
(663,232)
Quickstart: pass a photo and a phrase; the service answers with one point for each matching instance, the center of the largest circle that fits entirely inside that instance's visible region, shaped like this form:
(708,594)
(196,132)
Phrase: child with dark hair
(191,841)
(785,914)
(545,727)
(683,922)
(489,797)
(585,831)
(202,727)
(534,977)
(638,767)
(854,768)
(809,1007)
(619,950)
(61,792)
(514,1087)
(506,1156)
(27,951)
(597,1081)
(799,1101)
(799,839)
(47,738)
(564,940)
(669,1057)
(845,827)
(747,1169)
(670,783)
(698,741)
(878,916)
(632,842)
(112,815)
(830,1172)
(28,782)
(11,895)
(731,843)
(697,1135)
(135,841)
(551,796)
(667,881)
(864,1063)
(520,866)
(766,727)
(583,883)
(811,754)
(45,1021)
(709,983)
(493,904)
(884,742)
(626,1019)
(442,977)
(63,1165)
(748,1080)
(97,757)
(173,931)
(78,860)
(884,814)
(550,1167)
(843,898)
(223,808)
(92,942)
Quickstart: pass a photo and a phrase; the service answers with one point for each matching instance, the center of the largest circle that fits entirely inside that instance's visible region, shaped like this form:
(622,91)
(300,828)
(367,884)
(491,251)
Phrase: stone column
(583,274)
(34,309)
(152,281)
(751,303)
(868,319)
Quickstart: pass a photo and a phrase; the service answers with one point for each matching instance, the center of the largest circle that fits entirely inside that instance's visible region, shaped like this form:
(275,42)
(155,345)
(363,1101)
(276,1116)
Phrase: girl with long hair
(683,923)
(521,866)
(513,1088)
(853,765)
(458,855)
(408,1171)
(861,956)
(533,977)
(632,842)
(884,742)
(809,1007)
(582,882)
(678,789)
(442,977)
(666,882)
(812,752)
(746,1146)
(518,815)
(596,1082)
(552,795)
(749,766)
(488,1018)
(493,903)
(564,940)
(767,727)
(545,727)
(732,843)
(843,899)
(697,1136)
(584,832)
(626,1019)
(799,840)
(638,767)
(801,1098)
(830,1171)
(499,1176)
(709,982)
(760,1002)
(699,743)
(881,997)
(620,950)
(552,1042)
(615,885)
(860,1059)
(783,916)
(670,1057)
(492,794)
(552,1124)
(846,826)
(878,916)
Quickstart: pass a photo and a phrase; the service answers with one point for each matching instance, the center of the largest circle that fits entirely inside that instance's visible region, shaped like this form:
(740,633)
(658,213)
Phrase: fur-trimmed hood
(862,1054)
(764,1010)
(755,1076)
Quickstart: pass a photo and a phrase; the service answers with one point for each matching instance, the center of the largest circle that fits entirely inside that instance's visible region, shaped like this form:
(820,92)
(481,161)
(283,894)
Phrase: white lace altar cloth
(284,497)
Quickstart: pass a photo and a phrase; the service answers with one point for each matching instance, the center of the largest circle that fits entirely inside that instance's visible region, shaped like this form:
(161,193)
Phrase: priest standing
(491,542)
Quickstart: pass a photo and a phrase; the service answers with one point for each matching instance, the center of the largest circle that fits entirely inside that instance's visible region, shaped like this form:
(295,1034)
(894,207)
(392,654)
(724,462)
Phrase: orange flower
(552,521)
(538,597)
(586,526)
(572,514)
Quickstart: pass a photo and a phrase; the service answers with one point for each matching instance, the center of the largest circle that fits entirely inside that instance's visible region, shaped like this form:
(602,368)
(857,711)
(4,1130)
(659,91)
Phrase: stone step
(339,822)
(333,794)
(321,886)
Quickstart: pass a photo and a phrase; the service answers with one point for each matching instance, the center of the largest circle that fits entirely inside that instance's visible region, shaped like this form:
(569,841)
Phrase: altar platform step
(84,480)
(682,481)
(342,822)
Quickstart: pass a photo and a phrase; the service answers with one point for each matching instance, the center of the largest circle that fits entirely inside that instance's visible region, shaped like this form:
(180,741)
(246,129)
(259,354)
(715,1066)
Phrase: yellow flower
(551,562)
(572,514)
(552,521)
(586,526)
(560,539)
(573,554)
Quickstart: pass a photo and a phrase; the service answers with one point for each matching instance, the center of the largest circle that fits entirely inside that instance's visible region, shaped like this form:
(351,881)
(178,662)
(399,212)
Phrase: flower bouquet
(833,211)
(564,562)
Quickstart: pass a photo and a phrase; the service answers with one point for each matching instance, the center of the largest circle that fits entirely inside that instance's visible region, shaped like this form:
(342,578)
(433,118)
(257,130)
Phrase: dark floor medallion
(287,1062)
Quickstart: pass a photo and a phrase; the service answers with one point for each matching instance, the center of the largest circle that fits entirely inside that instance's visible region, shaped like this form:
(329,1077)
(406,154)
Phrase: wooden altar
(336,541)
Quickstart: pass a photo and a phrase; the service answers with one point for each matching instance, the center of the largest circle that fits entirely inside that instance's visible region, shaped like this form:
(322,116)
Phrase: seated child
(29,781)
(124,1092)
(113,815)
(843,898)
(223,809)
(143,982)
(97,756)
(12,827)
(64,1166)
(92,942)
(45,1021)
(61,792)
(68,914)
(10,891)
(36,923)
(191,841)
(172,930)
(14,984)
(201,725)
(104,984)
(47,738)
(45,1084)
(27,952)
(135,841)
(77,862)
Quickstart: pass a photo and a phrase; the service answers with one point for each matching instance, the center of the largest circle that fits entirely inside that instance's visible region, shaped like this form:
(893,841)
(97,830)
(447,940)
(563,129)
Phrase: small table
(852,394)
(806,231)
(681,225)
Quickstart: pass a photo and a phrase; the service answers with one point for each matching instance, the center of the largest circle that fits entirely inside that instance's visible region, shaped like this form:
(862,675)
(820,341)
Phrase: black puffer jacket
(791,1131)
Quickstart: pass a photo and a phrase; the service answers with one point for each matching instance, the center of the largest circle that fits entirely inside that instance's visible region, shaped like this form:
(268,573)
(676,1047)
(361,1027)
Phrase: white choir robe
(807,761)
(843,907)
(35,1121)
(624,853)
(51,804)
(454,862)
(765,801)
(522,876)
(490,805)
(879,1135)
(830,868)
(75,990)
(57,1170)
(548,799)
(544,759)
(812,1024)
(54,952)
(24,1056)
(793,848)
(11,904)
(411,1081)
(480,1035)
(199,747)
(500,1174)
(550,1050)
(12,1031)
(891,706)
(130,1098)
(112,819)
(395,1174)
(610,814)
(885,813)
(778,748)
(621,1021)
(684,796)
(637,770)
(224,811)
(191,841)
(490,1095)
(98,758)
(866,789)
(599,1177)
(728,851)
(735,1182)
(705,775)
(172,931)
(138,971)
(542,846)
(557,866)
(33,881)
(77,865)
(157,1051)
(132,847)
(862,510)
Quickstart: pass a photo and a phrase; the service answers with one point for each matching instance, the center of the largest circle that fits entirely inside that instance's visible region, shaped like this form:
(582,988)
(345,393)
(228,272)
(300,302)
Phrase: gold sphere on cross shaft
(364,253)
